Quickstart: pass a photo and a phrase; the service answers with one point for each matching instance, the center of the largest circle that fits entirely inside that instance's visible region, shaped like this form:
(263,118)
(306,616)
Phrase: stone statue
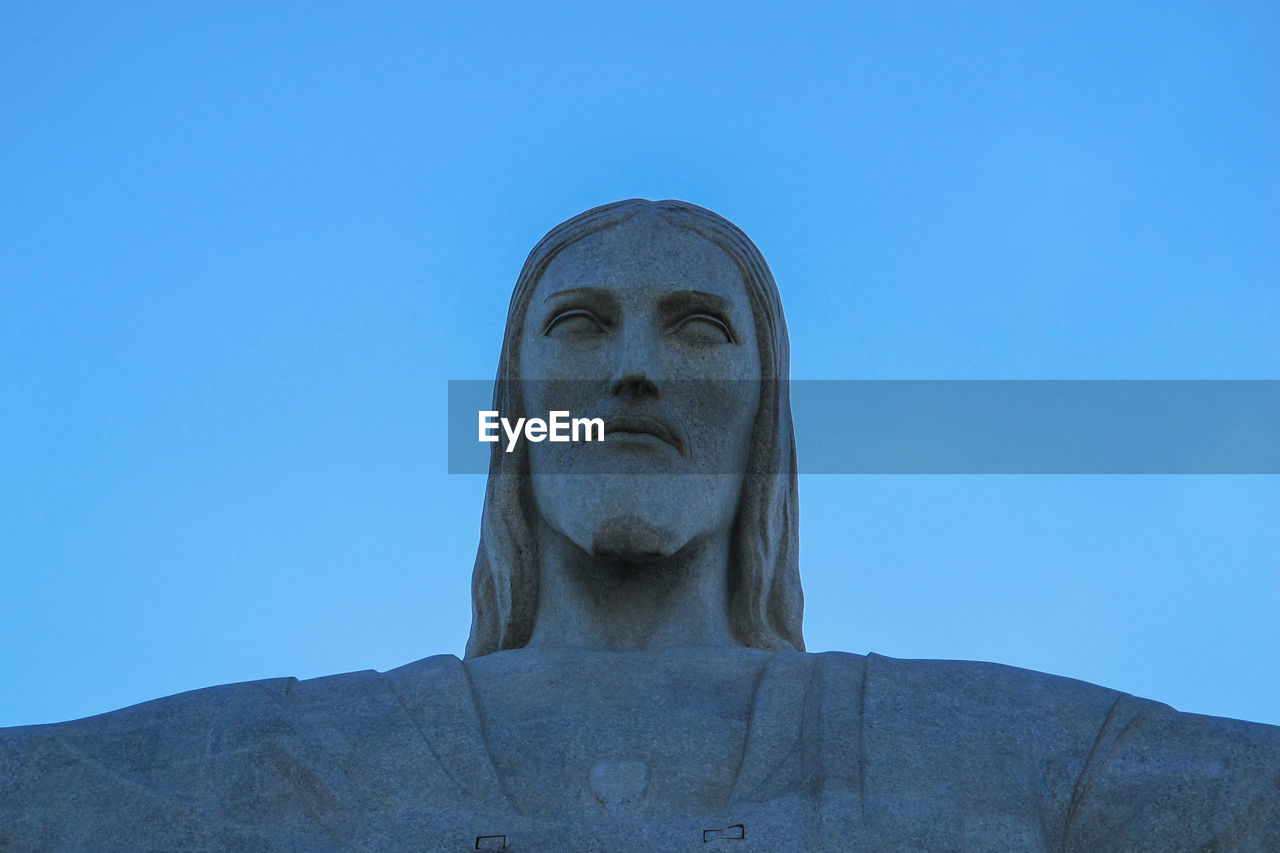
(636,677)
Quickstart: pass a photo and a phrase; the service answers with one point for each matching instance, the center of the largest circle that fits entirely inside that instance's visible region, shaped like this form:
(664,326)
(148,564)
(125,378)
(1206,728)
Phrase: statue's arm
(193,771)
(1157,779)
(275,764)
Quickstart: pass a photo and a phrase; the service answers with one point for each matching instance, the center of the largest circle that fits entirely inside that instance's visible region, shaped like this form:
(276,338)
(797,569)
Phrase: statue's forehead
(644,252)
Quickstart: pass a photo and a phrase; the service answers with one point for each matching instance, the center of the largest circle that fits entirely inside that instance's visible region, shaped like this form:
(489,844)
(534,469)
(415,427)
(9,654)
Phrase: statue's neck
(591,602)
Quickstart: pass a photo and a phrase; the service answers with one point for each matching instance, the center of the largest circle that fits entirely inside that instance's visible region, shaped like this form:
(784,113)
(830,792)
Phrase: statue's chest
(615,742)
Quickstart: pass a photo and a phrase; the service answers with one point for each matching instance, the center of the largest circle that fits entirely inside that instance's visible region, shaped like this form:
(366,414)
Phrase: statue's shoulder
(990,703)
(143,734)
(996,685)
(1001,690)
(228,767)
(246,704)
(254,705)
(1112,771)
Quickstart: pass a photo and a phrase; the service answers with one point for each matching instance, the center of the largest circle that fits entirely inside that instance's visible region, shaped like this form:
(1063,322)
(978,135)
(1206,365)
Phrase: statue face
(652,326)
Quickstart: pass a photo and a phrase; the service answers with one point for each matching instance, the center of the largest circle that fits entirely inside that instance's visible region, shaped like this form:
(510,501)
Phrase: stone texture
(837,752)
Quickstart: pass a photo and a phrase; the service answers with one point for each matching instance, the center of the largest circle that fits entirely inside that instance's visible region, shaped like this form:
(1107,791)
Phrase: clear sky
(243,247)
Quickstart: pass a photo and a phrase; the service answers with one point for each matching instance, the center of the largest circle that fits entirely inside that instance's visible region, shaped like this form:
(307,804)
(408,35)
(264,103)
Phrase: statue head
(664,319)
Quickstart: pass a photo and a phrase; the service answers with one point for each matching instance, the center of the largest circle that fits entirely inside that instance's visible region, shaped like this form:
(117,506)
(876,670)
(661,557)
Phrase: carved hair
(765,602)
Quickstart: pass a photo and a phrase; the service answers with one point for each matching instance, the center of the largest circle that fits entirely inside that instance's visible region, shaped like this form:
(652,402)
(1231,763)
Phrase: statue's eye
(703,329)
(574,323)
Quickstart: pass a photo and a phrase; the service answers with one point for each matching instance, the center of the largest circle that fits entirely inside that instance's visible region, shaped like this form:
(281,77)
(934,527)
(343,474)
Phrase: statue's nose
(633,376)
(634,386)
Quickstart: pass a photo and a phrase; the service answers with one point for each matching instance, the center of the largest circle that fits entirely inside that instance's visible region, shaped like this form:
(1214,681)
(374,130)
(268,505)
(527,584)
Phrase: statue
(636,677)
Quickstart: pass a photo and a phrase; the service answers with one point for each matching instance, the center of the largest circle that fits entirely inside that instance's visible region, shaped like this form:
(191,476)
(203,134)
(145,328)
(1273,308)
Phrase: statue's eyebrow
(695,300)
(594,292)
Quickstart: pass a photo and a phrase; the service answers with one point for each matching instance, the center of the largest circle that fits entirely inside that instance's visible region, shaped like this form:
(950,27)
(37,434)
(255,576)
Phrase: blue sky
(243,247)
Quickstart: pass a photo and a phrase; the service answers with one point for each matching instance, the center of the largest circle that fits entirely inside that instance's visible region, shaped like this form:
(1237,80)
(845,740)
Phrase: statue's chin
(633,540)
(635,518)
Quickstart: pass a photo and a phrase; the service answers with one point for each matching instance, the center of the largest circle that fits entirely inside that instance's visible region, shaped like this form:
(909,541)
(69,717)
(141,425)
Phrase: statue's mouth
(643,425)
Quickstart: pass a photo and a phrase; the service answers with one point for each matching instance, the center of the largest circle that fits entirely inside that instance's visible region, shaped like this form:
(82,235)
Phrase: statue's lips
(643,425)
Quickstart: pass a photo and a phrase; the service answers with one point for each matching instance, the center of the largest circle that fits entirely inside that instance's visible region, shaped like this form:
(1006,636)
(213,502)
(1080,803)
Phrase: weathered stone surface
(831,752)
(636,677)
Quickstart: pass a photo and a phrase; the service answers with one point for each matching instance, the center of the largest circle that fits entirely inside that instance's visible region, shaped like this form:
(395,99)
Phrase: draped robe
(842,752)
